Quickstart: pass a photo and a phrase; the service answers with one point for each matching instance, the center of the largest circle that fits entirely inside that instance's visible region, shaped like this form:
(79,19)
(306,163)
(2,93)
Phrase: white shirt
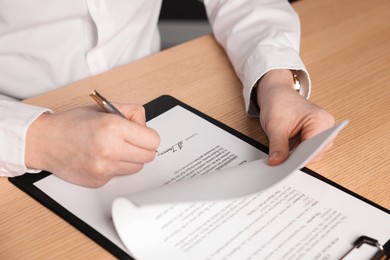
(45,45)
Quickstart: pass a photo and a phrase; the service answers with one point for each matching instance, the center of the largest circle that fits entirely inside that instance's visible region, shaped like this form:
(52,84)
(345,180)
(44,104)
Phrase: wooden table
(346,47)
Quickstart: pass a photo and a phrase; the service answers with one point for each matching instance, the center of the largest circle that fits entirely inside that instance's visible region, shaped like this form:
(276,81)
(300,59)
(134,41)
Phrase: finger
(295,141)
(106,172)
(311,130)
(133,154)
(133,112)
(137,115)
(278,146)
(141,136)
(127,168)
(320,121)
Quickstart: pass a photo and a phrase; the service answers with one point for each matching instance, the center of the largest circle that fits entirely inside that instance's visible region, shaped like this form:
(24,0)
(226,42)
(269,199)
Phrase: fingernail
(274,155)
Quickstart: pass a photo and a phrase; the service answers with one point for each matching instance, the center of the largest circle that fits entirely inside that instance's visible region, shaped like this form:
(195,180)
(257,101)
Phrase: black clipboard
(153,109)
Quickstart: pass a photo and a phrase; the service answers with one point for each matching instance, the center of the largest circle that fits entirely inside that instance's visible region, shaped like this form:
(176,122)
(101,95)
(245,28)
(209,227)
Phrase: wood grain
(346,48)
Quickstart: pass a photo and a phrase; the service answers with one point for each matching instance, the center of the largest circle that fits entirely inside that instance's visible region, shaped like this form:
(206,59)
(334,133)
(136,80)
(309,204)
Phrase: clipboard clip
(379,255)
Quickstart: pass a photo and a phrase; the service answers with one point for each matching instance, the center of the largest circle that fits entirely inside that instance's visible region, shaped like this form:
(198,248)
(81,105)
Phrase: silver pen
(105,104)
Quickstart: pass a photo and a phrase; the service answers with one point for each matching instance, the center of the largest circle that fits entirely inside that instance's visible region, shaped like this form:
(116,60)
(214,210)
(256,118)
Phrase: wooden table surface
(346,48)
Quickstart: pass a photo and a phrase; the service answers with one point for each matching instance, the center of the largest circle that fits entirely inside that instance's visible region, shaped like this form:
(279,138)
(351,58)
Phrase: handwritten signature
(174,148)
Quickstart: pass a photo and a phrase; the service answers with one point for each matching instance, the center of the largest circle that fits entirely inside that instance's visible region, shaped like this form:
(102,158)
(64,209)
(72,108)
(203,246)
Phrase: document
(210,195)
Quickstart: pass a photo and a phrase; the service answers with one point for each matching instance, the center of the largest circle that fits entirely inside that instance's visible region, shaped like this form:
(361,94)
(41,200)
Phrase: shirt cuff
(267,58)
(15,120)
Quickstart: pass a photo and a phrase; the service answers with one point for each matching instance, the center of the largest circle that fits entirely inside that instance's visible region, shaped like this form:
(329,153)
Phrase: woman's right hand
(88,147)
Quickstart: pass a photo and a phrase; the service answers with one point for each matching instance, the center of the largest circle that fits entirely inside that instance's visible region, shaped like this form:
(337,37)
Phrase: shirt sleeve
(258,36)
(15,118)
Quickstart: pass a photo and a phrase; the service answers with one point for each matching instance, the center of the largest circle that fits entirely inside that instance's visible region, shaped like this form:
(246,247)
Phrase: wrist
(277,80)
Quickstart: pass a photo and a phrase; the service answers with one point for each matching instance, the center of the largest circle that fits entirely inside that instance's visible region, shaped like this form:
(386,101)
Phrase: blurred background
(181,21)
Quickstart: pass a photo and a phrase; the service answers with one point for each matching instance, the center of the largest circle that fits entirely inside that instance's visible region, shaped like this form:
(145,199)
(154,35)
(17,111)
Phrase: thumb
(278,146)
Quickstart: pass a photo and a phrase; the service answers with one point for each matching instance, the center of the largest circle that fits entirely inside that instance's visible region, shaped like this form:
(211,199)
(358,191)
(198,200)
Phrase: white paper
(280,222)
(299,218)
(184,138)
(238,181)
